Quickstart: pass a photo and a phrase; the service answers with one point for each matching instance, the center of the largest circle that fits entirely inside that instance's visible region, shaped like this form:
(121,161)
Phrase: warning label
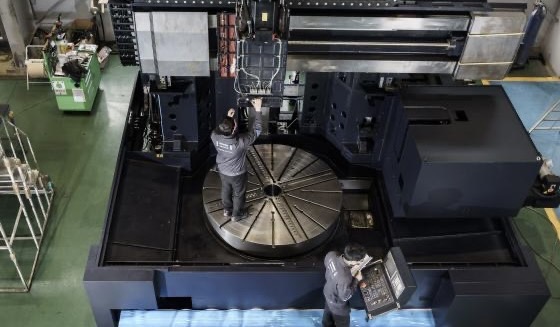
(59,88)
(78,95)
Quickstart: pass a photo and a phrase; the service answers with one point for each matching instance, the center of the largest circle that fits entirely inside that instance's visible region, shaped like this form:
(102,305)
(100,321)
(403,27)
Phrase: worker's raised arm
(250,137)
(346,288)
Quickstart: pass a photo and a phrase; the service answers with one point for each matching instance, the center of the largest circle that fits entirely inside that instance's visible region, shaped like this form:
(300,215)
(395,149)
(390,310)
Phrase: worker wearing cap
(232,149)
(342,277)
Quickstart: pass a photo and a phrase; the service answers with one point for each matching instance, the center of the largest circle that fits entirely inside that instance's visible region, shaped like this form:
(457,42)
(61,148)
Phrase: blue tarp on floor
(265,318)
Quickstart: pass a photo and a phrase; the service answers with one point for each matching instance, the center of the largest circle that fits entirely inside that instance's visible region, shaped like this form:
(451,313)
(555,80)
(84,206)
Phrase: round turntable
(294,200)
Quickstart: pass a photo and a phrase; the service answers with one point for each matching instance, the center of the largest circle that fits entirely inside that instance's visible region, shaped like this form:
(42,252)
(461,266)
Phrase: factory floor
(79,153)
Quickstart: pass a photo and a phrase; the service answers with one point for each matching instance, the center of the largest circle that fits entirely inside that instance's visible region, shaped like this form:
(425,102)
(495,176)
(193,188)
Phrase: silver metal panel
(293,90)
(482,71)
(438,23)
(144,41)
(300,215)
(181,40)
(148,66)
(213,64)
(498,22)
(370,43)
(212,21)
(491,48)
(173,43)
(491,45)
(303,63)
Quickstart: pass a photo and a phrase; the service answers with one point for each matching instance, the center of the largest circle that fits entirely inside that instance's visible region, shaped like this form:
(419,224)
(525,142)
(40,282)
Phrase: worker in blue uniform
(342,277)
(231,160)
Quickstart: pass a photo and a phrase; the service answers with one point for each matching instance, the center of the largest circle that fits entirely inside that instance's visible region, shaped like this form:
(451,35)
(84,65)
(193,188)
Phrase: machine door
(387,284)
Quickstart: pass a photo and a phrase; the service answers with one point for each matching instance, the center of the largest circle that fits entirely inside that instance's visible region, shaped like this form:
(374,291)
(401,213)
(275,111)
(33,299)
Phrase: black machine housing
(158,253)
(426,161)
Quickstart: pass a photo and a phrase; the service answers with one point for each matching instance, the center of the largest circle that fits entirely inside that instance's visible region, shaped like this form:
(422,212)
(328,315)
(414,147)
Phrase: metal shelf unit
(125,35)
(28,194)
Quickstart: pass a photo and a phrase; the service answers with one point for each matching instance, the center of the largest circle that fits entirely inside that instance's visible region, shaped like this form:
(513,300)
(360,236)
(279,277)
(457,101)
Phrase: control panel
(375,290)
(386,284)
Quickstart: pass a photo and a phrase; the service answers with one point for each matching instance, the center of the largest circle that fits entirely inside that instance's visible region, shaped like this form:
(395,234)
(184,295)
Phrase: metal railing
(26,197)
(549,120)
(35,68)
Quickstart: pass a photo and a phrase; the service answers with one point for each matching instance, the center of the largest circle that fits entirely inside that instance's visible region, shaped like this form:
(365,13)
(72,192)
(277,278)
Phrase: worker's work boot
(243,215)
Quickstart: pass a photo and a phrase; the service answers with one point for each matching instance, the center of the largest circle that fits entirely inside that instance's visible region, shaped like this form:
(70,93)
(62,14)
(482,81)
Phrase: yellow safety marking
(522,79)
(525,79)
(532,79)
(551,214)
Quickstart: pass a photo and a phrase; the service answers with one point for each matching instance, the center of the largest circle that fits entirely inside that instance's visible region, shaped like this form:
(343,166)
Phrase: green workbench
(72,96)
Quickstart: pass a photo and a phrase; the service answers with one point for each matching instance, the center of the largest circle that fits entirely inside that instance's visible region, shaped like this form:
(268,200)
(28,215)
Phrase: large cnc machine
(372,134)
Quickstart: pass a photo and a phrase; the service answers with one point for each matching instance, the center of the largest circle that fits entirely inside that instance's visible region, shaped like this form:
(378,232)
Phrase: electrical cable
(252,75)
(279,56)
(236,87)
(32,106)
(242,68)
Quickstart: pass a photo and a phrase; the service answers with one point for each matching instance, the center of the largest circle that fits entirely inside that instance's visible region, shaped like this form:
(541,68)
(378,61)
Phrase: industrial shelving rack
(25,203)
(125,35)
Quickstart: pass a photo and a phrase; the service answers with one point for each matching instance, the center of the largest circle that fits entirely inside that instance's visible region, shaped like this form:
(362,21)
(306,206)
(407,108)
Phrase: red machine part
(226,45)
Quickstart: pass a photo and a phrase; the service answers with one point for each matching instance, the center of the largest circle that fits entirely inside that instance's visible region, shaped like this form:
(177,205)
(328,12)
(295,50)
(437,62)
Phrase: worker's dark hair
(226,127)
(354,252)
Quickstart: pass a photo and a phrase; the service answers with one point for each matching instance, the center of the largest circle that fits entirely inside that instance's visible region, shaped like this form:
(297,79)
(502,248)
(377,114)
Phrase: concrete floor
(79,152)
(7,68)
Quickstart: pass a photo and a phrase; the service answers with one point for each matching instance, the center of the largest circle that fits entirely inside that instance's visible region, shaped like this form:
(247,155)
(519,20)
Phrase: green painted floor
(79,152)
(538,233)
